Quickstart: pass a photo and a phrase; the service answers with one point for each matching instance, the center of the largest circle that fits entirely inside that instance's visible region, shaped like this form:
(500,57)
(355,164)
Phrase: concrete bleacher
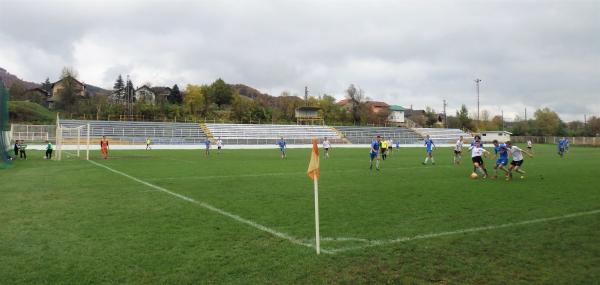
(137,132)
(131,132)
(443,135)
(270,133)
(364,135)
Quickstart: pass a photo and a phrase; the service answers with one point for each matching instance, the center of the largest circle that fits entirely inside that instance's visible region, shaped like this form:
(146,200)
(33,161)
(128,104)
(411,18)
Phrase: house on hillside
(78,87)
(58,86)
(145,94)
(161,94)
(396,114)
(152,95)
(37,95)
(345,104)
(377,106)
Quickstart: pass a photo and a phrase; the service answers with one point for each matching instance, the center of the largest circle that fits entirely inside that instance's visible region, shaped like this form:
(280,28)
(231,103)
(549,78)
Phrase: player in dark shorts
(16,148)
(476,156)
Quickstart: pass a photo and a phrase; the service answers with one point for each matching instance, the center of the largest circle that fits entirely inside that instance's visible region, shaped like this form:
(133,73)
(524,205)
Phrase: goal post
(71,139)
(5,135)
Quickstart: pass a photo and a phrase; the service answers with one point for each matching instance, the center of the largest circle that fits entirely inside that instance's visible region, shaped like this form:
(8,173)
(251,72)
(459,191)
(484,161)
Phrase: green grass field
(78,222)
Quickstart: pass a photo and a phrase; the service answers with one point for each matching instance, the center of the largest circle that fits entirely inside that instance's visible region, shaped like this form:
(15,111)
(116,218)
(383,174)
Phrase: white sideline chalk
(371,243)
(213,208)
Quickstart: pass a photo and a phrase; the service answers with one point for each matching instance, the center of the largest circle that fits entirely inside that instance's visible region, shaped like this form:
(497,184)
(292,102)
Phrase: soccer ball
(474,175)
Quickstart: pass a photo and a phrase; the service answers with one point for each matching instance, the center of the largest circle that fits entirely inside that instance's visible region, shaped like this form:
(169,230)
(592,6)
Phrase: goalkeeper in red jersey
(104,147)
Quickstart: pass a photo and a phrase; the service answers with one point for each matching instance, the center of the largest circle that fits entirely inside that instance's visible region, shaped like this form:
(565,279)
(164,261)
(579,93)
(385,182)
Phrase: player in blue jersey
(501,152)
(566,144)
(282,146)
(429,146)
(207,145)
(562,143)
(374,152)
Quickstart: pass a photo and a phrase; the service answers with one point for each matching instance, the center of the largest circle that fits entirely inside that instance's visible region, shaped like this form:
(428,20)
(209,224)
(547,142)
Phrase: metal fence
(554,140)
(33,133)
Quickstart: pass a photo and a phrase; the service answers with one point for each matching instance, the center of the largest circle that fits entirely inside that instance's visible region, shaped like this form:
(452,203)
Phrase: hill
(263,98)
(9,79)
(25,111)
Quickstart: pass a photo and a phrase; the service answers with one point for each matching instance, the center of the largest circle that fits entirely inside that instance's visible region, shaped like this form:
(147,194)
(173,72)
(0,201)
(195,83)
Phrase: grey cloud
(529,53)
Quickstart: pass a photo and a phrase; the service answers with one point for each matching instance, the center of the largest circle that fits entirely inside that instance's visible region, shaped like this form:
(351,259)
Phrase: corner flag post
(317,231)
(314,172)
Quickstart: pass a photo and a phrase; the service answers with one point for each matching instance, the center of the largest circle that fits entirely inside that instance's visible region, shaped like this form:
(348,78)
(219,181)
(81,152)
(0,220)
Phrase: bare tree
(68,72)
(356,97)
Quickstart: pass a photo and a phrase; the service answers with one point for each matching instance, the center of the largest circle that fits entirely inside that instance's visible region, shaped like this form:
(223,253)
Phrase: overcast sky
(528,53)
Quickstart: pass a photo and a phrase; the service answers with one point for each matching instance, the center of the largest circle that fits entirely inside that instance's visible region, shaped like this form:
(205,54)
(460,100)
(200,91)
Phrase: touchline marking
(215,209)
(372,243)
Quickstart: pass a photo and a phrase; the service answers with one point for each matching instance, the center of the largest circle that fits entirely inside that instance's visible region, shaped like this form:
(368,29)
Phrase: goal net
(5,159)
(72,142)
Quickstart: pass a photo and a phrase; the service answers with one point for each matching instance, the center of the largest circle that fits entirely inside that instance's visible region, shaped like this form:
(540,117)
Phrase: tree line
(220,101)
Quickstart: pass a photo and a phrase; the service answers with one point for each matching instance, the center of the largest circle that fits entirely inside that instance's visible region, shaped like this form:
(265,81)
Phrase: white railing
(33,133)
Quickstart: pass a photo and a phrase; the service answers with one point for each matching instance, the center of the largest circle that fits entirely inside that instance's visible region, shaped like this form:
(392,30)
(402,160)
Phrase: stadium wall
(95,146)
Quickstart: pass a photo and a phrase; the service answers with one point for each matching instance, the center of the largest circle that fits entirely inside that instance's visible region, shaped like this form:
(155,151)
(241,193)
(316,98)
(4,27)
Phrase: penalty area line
(372,243)
(209,207)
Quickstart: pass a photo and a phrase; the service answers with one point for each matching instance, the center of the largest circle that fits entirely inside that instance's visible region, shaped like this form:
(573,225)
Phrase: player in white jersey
(219,144)
(326,147)
(476,156)
(517,159)
(529,145)
(458,150)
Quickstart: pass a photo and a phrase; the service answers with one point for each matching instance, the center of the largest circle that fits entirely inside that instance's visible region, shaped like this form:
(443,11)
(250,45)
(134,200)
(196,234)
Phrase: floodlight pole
(445,120)
(477,86)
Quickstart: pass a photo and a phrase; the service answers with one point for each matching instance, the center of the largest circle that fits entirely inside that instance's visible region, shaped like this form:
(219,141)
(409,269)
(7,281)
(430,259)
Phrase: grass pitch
(79,222)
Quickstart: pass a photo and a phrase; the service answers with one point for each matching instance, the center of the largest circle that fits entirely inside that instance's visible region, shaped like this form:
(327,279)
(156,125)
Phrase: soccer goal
(70,141)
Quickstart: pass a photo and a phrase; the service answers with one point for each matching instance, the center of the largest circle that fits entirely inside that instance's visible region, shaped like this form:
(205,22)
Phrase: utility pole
(445,121)
(584,120)
(525,114)
(306,95)
(502,119)
(477,86)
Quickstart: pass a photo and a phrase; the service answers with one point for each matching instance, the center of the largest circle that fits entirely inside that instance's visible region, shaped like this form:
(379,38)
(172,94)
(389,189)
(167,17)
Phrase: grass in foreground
(75,222)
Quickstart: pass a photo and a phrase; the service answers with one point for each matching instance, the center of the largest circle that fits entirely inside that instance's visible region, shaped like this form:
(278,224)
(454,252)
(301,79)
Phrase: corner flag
(314,172)
(313,167)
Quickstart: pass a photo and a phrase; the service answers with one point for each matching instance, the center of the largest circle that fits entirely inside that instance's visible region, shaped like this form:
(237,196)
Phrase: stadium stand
(129,132)
(269,134)
(443,135)
(364,135)
(134,132)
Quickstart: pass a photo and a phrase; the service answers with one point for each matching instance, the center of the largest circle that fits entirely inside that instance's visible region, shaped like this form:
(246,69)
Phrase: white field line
(215,209)
(371,243)
(287,173)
